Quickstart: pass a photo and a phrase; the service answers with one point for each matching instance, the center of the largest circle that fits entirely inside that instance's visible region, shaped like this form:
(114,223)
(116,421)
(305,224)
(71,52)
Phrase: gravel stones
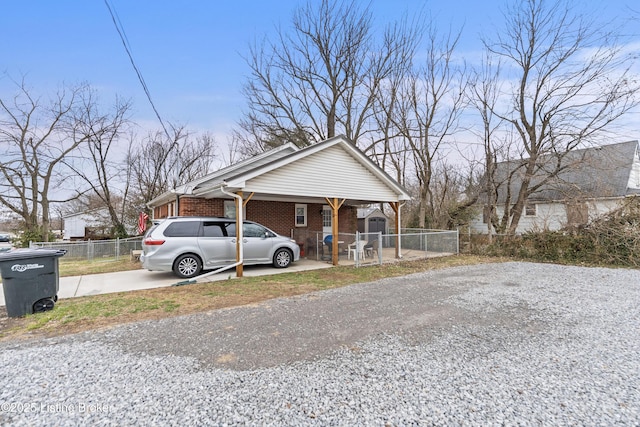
(512,343)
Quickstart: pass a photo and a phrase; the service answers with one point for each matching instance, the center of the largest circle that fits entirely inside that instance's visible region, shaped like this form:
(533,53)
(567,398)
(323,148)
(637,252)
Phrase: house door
(326,221)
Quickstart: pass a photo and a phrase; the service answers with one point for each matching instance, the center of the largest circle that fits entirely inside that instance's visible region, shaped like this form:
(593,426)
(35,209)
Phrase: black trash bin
(30,280)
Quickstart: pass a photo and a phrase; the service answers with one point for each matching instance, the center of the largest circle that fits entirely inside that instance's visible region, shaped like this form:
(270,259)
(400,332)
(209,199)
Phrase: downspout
(238,236)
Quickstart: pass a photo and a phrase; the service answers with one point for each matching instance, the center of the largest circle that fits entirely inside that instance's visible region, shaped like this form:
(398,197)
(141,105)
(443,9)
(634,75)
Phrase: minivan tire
(187,266)
(282,258)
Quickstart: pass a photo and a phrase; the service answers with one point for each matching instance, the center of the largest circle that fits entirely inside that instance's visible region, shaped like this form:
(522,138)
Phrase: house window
(301,215)
(230,209)
(530,209)
(577,213)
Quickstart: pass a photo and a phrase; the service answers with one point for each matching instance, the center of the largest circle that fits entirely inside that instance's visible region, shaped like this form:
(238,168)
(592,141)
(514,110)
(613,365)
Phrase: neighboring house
(304,193)
(92,224)
(593,182)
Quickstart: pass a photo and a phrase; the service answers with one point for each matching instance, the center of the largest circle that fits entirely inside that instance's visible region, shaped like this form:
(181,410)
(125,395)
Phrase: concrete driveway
(133,280)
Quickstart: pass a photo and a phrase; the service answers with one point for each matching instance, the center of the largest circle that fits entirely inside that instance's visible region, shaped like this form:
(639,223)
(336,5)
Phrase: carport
(333,172)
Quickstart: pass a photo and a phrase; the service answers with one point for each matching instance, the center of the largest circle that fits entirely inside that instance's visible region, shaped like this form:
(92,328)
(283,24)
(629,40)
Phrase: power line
(125,43)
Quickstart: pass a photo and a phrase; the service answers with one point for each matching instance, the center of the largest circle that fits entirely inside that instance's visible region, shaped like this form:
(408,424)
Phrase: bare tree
(388,147)
(484,92)
(35,137)
(571,82)
(160,164)
(99,163)
(321,79)
(431,100)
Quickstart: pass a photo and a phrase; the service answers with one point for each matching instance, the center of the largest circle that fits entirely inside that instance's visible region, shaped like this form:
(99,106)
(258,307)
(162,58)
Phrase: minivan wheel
(187,266)
(282,258)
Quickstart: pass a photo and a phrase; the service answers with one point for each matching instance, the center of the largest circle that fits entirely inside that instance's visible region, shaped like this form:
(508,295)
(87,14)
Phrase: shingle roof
(596,172)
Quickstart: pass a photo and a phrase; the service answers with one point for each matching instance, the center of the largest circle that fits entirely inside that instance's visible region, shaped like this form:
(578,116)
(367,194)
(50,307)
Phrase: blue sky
(189,52)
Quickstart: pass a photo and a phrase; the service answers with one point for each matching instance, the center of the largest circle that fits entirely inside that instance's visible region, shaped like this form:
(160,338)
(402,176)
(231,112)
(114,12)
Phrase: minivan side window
(253,230)
(183,229)
(212,229)
(231,229)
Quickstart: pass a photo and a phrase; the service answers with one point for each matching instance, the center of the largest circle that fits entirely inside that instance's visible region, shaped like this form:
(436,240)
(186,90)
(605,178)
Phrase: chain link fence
(94,249)
(378,248)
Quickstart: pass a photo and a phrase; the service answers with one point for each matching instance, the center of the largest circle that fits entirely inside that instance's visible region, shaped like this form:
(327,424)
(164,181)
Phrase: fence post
(457,242)
(355,253)
(426,243)
(89,250)
(379,248)
(117,249)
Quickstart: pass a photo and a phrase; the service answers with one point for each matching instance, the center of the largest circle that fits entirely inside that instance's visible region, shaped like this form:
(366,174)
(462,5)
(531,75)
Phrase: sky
(189,52)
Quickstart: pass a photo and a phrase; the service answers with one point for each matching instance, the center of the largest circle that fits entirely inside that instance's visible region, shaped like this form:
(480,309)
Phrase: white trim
(211,185)
(535,208)
(191,188)
(304,215)
(240,180)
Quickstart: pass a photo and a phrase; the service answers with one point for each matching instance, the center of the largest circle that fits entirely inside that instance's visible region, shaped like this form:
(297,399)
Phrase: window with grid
(326,217)
(530,209)
(301,215)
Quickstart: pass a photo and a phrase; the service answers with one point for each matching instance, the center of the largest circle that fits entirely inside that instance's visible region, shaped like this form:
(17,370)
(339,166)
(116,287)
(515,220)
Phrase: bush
(612,239)
(31,236)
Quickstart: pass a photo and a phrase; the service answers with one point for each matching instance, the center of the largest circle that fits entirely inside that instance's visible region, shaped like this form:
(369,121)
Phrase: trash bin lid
(14,254)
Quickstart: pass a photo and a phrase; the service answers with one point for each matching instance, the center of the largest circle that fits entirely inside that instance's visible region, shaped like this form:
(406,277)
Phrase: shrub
(612,239)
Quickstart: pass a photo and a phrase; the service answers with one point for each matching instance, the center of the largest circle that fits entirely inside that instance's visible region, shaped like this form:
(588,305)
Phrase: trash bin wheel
(44,304)
(55,298)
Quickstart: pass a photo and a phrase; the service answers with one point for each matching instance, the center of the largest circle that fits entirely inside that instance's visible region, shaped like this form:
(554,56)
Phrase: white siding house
(594,183)
(76,224)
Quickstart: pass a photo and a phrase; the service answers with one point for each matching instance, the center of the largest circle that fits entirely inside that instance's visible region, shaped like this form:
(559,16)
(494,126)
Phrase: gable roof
(217,178)
(365,212)
(93,213)
(597,172)
(221,175)
(333,168)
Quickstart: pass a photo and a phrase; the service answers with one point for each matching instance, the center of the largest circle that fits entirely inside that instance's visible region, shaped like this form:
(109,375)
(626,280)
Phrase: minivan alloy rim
(283,258)
(188,266)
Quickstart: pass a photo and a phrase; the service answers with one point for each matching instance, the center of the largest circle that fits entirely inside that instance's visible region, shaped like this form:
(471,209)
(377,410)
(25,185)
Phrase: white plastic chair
(357,246)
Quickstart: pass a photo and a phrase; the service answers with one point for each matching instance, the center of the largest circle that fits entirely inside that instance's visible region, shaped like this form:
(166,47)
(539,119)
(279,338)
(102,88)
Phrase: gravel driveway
(493,344)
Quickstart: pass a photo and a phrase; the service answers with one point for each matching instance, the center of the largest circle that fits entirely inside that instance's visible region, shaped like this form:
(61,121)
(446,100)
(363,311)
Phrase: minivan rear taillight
(152,242)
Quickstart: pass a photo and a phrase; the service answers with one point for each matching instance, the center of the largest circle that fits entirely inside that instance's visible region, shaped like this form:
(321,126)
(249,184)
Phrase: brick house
(302,193)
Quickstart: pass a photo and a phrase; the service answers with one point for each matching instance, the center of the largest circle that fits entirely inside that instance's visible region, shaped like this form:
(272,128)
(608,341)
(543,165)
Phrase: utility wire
(125,43)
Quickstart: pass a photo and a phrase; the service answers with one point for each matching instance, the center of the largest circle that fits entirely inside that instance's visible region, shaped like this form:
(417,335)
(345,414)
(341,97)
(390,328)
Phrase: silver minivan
(189,245)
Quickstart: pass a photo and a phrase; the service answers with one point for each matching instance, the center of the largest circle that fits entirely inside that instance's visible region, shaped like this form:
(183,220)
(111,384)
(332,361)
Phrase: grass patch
(99,311)
(75,267)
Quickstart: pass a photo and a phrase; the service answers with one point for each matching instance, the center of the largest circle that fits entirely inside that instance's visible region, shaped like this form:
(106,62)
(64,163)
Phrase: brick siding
(278,216)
